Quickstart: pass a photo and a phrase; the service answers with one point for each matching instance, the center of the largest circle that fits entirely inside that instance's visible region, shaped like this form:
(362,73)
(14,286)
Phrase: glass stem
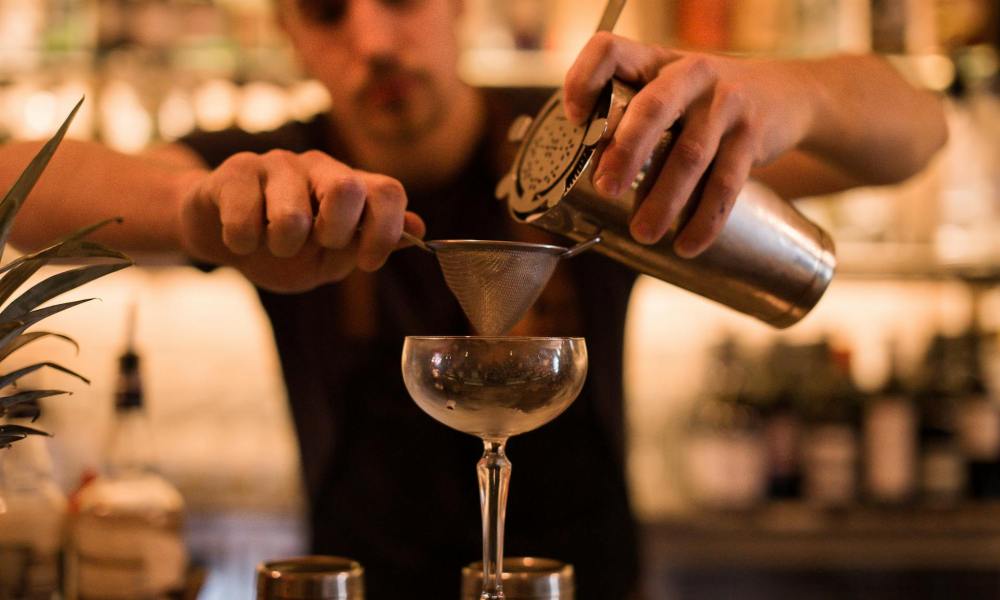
(494,479)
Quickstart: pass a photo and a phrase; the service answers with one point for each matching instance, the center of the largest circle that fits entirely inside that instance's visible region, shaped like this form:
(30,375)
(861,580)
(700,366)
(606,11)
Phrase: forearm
(868,121)
(86,183)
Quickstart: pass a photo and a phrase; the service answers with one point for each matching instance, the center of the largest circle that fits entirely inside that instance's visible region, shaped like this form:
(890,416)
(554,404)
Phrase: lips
(389,91)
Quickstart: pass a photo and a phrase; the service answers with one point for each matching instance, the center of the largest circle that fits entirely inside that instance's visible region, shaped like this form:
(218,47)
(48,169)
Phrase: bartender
(311,213)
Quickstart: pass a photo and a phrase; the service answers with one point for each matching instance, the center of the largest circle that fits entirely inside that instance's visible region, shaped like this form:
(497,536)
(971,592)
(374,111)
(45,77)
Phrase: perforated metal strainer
(496,282)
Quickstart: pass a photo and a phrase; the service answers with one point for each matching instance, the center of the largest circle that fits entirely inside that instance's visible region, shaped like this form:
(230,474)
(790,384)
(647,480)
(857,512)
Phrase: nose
(373,28)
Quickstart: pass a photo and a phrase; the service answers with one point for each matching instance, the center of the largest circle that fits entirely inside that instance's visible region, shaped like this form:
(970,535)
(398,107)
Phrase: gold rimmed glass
(494,388)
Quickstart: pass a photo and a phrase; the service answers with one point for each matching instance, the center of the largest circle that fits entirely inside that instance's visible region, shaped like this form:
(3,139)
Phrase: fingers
(289,207)
(349,199)
(727,113)
(605,56)
(711,93)
(687,162)
(283,198)
(240,202)
(728,175)
(651,112)
(335,265)
(412,223)
(382,223)
(340,195)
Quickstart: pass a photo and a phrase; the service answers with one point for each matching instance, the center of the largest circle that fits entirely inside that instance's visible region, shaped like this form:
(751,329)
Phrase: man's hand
(736,114)
(291,222)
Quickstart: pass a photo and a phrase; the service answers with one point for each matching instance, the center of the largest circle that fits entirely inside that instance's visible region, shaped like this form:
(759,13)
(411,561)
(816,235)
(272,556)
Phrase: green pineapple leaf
(12,433)
(72,246)
(26,338)
(12,202)
(55,285)
(9,402)
(13,376)
(12,329)
(22,312)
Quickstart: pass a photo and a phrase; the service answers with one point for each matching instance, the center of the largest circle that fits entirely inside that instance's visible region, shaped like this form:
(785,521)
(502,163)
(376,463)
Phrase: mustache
(382,70)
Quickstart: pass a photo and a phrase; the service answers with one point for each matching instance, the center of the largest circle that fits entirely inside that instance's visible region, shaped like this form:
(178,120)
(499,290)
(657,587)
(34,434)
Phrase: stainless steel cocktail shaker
(310,578)
(770,261)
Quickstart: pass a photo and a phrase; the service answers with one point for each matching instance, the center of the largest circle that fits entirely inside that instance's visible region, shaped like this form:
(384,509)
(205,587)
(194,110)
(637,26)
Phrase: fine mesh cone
(495,282)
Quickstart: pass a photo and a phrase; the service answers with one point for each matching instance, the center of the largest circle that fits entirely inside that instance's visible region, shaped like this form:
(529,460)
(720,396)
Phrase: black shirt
(396,490)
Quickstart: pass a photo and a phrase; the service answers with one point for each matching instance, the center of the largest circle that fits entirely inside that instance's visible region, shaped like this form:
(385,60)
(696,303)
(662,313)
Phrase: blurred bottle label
(890,436)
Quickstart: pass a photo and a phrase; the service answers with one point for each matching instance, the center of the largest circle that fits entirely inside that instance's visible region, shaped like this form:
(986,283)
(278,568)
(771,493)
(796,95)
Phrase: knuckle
(691,153)
(698,64)
(727,186)
(241,160)
(314,155)
(279,154)
(348,187)
(291,221)
(389,190)
(650,107)
(730,96)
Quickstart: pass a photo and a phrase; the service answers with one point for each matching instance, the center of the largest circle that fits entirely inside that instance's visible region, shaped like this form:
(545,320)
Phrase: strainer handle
(419,243)
(610,16)
(582,246)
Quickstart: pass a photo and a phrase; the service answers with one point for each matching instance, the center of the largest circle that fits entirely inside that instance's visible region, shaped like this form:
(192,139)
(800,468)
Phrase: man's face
(390,65)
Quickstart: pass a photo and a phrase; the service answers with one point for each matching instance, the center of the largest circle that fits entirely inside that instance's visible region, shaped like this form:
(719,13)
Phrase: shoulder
(214,147)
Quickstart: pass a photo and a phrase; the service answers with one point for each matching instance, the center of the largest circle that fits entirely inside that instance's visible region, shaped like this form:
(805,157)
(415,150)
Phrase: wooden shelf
(797,536)
(891,261)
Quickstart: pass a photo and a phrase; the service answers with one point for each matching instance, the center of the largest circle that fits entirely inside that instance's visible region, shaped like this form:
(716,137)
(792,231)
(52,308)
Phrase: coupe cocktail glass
(493,388)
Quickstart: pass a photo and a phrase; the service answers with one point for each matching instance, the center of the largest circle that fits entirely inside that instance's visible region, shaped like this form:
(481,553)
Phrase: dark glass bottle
(942,469)
(977,420)
(127,539)
(889,426)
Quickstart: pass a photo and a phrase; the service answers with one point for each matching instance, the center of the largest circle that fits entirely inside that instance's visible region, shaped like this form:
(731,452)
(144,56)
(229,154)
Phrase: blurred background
(856,455)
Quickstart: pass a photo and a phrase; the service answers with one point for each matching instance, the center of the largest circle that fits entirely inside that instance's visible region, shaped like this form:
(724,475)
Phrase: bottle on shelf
(126,539)
(977,421)
(942,468)
(889,430)
(33,526)
(725,463)
(772,386)
(830,446)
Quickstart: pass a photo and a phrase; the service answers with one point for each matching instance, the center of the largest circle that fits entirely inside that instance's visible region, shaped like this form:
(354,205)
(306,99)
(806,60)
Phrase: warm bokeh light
(126,125)
(215,104)
(175,116)
(263,106)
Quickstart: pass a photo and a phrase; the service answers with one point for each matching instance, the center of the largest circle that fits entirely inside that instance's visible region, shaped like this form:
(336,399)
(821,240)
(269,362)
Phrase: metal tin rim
(439,245)
(521,579)
(328,577)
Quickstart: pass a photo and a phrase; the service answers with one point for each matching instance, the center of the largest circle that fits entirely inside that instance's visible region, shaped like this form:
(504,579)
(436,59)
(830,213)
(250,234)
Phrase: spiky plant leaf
(22,312)
(55,285)
(11,428)
(8,402)
(26,338)
(13,433)
(12,329)
(72,246)
(13,376)
(22,187)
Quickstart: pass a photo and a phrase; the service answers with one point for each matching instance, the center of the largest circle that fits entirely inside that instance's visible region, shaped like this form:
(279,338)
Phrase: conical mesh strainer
(496,282)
